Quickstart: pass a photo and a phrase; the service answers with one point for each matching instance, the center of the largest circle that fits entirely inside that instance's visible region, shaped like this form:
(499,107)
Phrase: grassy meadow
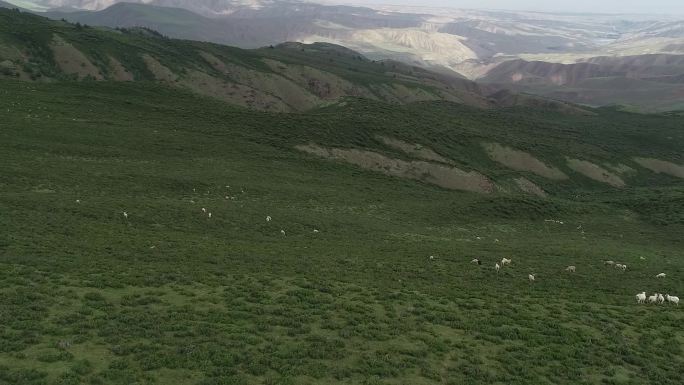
(170,296)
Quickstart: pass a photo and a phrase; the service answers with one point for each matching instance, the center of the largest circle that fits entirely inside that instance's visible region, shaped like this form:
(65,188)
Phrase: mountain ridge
(475,44)
(287,77)
(280,78)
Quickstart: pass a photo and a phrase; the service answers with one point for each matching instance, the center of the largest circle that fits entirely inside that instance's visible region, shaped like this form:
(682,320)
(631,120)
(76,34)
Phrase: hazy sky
(600,6)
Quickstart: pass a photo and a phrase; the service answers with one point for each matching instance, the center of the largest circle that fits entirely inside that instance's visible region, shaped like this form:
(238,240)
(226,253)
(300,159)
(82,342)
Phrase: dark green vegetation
(170,296)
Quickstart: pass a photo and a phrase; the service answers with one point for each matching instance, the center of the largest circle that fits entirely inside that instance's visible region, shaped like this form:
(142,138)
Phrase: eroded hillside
(287,77)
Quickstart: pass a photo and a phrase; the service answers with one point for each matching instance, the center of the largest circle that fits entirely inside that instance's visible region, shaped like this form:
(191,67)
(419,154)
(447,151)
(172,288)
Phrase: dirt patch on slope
(414,150)
(444,176)
(621,169)
(205,84)
(527,186)
(233,93)
(471,101)
(119,72)
(400,94)
(160,71)
(522,161)
(661,166)
(324,85)
(290,93)
(72,61)
(595,172)
(215,62)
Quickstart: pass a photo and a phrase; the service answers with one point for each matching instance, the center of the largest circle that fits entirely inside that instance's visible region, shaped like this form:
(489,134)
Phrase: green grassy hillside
(169,295)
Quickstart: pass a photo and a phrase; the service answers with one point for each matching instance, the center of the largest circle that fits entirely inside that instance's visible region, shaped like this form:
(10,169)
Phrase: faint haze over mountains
(575,6)
(654,7)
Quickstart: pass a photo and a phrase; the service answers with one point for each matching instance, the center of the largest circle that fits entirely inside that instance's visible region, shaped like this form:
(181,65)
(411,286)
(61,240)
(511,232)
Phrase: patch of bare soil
(119,72)
(522,161)
(415,150)
(621,169)
(160,71)
(72,61)
(661,166)
(527,186)
(444,176)
(239,94)
(323,84)
(595,172)
(290,93)
(205,84)
(214,61)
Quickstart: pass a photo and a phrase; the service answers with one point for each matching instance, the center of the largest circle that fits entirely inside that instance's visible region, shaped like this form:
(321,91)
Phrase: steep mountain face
(287,77)
(647,81)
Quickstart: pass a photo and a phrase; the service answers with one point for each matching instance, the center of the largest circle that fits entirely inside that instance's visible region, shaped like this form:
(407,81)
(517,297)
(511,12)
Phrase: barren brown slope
(447,177)
(522,161)
(661,166)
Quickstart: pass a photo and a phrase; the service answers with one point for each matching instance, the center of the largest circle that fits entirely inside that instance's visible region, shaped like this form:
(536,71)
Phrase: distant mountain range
(632,60)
